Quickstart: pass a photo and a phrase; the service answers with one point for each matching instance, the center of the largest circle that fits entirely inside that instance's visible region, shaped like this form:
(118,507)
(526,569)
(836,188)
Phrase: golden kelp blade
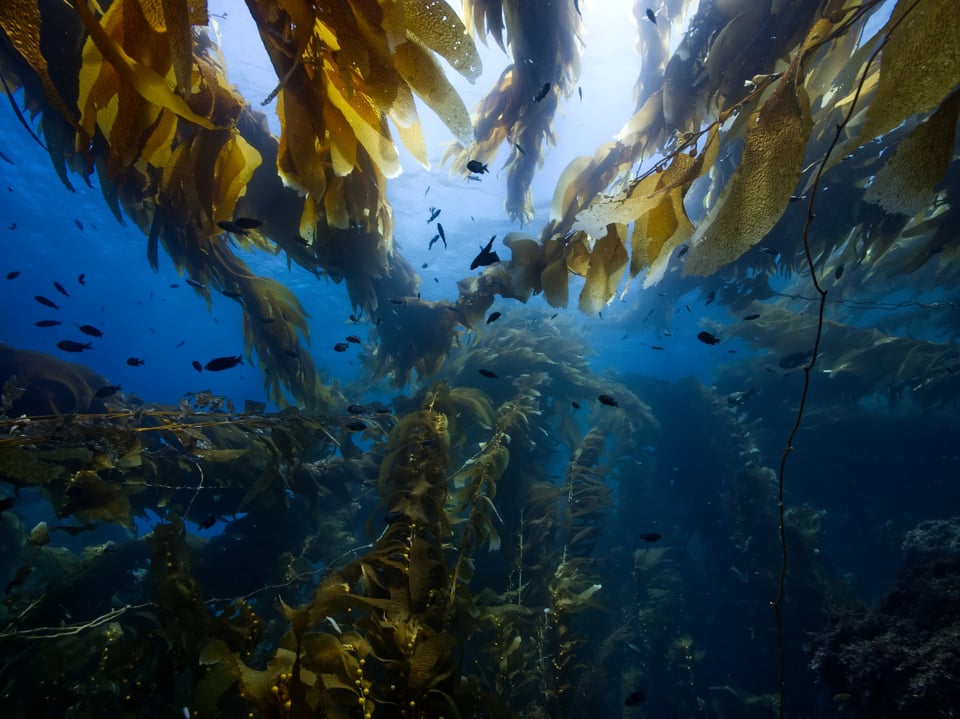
(915,72)
(760,189)
(906,183)
(608,261)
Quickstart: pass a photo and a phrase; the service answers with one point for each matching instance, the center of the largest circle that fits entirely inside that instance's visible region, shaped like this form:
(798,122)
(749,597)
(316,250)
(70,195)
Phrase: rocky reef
(902,658)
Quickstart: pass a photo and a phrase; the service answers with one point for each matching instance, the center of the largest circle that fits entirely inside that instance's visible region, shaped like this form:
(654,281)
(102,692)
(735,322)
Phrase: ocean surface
(671,507)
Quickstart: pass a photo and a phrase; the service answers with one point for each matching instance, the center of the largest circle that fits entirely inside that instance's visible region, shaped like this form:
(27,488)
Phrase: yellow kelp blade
(920,63)
(906,183)
(761,186)
(436,25)
(147,82)
(608,261)
(422,73)
(235,165)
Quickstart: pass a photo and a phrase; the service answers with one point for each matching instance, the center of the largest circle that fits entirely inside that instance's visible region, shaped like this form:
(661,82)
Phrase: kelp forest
(473,537)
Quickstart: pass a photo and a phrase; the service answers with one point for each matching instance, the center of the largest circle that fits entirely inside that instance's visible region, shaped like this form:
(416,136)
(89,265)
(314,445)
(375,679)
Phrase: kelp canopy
(727,131)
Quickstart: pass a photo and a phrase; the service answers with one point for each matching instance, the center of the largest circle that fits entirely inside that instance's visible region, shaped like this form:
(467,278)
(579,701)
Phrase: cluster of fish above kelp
(728,130)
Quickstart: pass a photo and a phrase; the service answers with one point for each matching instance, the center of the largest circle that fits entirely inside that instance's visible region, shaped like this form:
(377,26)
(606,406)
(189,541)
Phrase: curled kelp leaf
(608,261)
(760,189)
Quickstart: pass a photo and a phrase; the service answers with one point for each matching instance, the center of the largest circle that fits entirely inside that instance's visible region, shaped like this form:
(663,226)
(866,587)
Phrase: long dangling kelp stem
(807,369)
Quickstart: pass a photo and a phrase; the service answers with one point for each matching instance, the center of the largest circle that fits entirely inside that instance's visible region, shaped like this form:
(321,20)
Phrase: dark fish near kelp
(61,289)
(575,404)
(494,316)
(71,346)
(197,366)
(247,223)
(13,275)
(486,256)
(708,338)
(477,167)
(46,303)
(356,426)
(355,409)
(136,361)
(753,316)
(47,323)
(354,339)
(90,330)
(543,92)
(108,391)
(231,227)
(340,347)
(219,364)
(607,400)
(194,283)
(651,16)
(488,373)
(434,214)
(443,235)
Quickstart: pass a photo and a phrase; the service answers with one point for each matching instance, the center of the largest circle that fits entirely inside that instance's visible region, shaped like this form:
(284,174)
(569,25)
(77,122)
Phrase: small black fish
(356,409)
(543,92)
(608,400)
(434,214)
(708,338)
(652,18)
(794,359)
(425,265)
(340,347)
(354,339)
(12,226)
(575,404)
(435,279)
(232,294)
(197,366)
(90,330)
(231,227)
(82,279)
(656,347)
(174,285)
(488,373)
(207,522)
(193,283)
(181,343)
(71,346)
(684,249)
(711,296)
(78,224)
(754,316)
(301,240)
(47,323)
(636,697)
(432,243)
(13,275)
(651,537)
(135,362)
(247,223)
(494,316)
(486,257)
(394,516)
(838,273)
(580,92)
(519,149)
(443,235)
(108,391)
(47,303)
(219,364)
(477,167)
(356,425)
